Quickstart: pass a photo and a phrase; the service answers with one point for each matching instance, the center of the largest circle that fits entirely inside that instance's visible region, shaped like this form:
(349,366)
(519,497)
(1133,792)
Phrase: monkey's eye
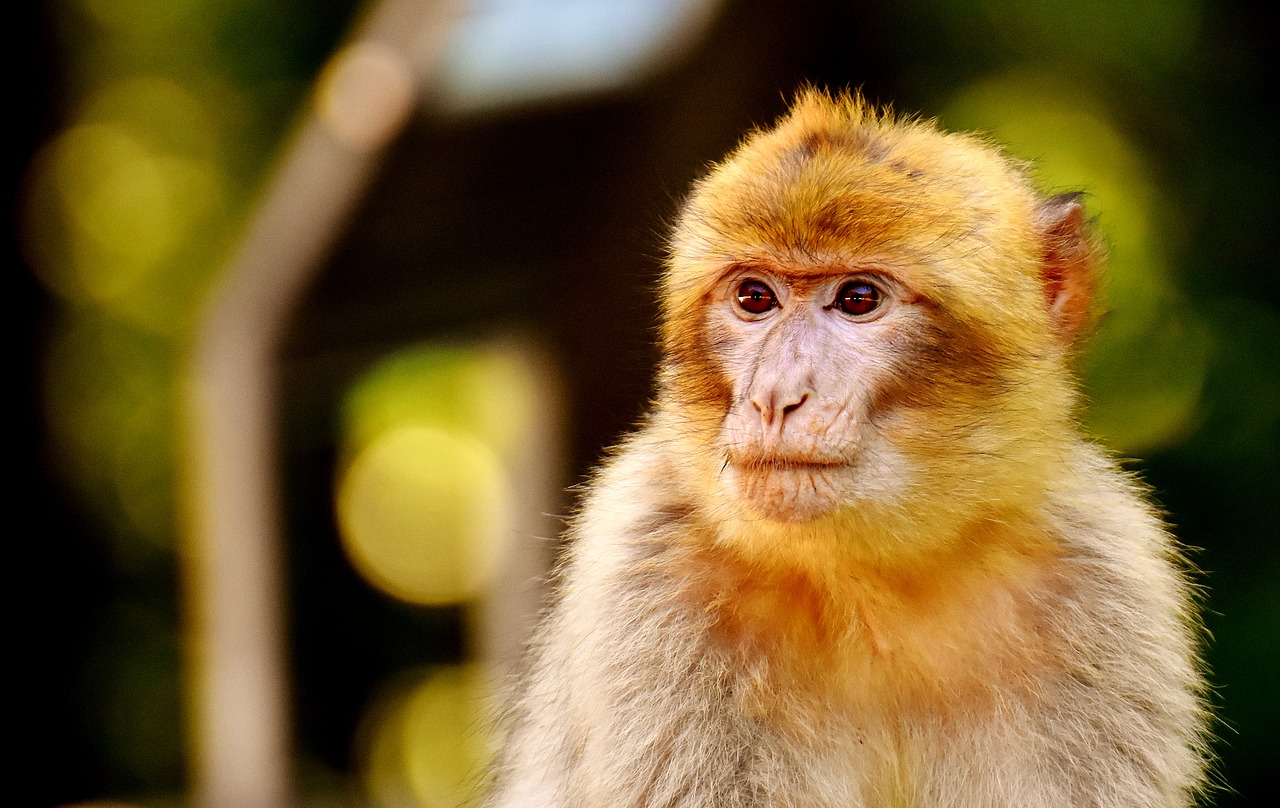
(858,298)
(756,297)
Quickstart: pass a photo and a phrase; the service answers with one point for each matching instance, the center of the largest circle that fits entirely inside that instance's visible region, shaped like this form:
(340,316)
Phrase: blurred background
(471,323)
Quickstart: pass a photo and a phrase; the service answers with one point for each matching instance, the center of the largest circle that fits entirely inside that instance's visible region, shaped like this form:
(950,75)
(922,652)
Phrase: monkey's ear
(1067,263)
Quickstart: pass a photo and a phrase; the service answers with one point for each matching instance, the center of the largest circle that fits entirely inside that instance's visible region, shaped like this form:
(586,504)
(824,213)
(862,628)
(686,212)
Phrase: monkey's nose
(775,405)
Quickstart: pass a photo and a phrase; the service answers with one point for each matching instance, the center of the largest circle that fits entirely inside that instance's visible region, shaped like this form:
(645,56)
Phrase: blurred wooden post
(234,591)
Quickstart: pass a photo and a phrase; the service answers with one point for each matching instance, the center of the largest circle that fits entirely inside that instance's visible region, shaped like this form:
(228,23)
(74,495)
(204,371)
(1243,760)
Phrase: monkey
(860,552)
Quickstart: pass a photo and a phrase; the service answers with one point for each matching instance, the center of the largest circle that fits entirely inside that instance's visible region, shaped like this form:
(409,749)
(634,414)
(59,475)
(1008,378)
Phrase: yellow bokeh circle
(425,742)
(423,513)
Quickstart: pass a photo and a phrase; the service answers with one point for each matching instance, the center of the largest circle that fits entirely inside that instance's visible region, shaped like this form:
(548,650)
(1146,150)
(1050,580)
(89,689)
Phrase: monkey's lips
(751,459)
(789,464)
(788,488)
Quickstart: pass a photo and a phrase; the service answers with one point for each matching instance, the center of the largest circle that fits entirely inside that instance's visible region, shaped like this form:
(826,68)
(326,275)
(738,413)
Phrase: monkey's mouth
(749,461)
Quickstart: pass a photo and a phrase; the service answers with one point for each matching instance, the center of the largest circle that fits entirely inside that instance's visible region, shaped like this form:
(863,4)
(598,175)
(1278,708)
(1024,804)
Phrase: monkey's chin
(789,493)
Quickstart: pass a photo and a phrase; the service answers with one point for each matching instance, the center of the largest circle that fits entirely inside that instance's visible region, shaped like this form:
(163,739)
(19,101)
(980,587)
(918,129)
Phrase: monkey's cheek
(788,494)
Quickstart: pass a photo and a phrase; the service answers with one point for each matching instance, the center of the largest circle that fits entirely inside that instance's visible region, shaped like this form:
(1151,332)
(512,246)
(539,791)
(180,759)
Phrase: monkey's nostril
(790,408)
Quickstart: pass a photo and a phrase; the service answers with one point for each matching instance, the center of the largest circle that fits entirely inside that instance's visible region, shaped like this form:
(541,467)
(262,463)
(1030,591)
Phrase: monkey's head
(867,318)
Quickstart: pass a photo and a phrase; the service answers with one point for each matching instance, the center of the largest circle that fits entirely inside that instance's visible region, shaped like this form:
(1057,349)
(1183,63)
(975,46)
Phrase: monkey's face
(810,357)
(871,319)
(848,386)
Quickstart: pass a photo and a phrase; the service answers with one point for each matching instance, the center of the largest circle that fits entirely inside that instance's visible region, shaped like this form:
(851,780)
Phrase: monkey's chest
(937,650)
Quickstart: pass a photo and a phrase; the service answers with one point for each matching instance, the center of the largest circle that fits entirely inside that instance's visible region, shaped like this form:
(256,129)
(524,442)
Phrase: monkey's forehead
(836,185)
(834,190)
(826,186)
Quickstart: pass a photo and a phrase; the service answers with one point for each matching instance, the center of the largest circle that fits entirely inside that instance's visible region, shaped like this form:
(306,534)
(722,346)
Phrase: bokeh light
(424,503)
(111,211)
(425,741)
(140,17)
(487,392)
(423,513)
(364,95)
(1144,367)
(518,51)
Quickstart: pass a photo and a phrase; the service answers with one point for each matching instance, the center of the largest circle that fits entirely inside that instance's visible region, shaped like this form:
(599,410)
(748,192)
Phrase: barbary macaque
(859,553)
